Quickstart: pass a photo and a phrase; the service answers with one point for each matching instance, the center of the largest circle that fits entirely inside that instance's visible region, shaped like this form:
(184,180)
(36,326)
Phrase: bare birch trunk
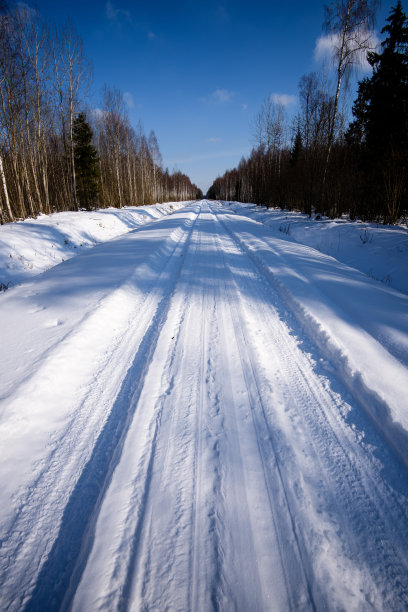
(5,191)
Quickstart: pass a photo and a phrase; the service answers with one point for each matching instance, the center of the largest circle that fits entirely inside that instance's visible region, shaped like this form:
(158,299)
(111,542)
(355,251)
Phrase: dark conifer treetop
(387,97)
(86,163)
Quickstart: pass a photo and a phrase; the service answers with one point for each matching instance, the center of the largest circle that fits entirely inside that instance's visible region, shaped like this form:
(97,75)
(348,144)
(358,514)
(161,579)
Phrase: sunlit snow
(205,409)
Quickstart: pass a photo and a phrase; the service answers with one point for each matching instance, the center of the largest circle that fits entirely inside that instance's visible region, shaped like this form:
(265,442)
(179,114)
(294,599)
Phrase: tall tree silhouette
(348,22)
(86,163)
(381,118)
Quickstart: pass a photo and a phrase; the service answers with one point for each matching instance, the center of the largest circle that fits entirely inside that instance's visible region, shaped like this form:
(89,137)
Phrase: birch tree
(156,161)
(3,27)
(349,24)
(72,75)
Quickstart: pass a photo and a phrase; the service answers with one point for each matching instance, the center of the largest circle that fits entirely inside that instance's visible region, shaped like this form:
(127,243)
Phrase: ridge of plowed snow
(380,251)
(29,247)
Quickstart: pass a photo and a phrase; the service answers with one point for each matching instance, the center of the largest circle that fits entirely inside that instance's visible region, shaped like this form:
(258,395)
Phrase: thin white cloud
(128,99)
(151,35)
(113,13)
(213,139)
(98,114)
(283,99)
(219,96)
(244,106)
(222,95)
(326,46)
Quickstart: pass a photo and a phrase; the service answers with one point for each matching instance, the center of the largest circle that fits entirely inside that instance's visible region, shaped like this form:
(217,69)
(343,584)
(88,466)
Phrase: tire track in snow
(368,511)
(197,509)
(291,551)
(150,555)
(206,588)
(172,529)
(351,374)
(62,568)
(196,542)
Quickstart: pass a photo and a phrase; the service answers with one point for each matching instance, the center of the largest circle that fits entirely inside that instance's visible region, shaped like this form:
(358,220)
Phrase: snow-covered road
(201,416)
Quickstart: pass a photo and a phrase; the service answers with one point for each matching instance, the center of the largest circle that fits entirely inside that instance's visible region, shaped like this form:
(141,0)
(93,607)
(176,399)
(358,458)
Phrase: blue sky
(197,72)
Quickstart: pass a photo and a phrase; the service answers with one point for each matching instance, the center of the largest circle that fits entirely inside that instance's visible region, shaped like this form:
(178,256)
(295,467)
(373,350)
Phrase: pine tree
(297,149)
(381,120)
(387,124)
(86,163)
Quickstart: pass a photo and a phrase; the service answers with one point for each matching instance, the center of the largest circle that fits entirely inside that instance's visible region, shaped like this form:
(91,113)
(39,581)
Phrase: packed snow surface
(203,414)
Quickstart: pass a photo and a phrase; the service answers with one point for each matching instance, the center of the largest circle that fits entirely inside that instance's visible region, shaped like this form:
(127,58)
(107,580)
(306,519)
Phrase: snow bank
(32,246)
(379,251)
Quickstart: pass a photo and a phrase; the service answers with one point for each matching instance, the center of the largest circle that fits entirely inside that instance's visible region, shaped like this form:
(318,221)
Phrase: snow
(34,245)
(202,412)
(379,251)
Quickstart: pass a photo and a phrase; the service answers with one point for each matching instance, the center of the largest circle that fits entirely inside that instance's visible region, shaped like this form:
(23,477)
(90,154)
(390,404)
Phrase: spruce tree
(387,125)
(380,128)
(297,148)
(86,163)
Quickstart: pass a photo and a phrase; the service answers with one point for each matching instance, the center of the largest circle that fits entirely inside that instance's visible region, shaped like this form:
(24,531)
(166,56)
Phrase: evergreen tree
(297,149)
(380,128)
(86,163)
(387,125)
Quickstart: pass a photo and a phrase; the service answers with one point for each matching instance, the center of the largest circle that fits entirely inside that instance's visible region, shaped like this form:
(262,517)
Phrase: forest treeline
(55,152)
(328,167)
